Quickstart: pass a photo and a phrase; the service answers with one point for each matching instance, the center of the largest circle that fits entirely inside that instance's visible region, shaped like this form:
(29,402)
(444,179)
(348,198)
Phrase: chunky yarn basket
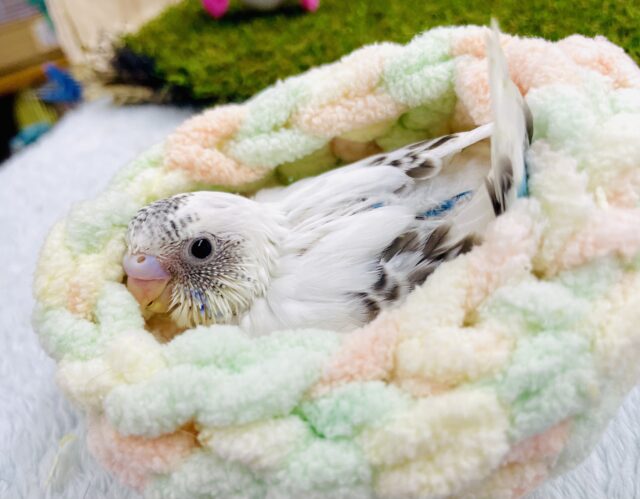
(500,370)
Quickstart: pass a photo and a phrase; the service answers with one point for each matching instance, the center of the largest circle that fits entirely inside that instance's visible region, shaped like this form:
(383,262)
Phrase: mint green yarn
(346,409)
(225,349)
(326,468)
(264,139)
(566,115)
(592,279)
(421,77)
(322,468)
(551,377)
(537,306)
(626,100)
(67,336)
(92,223)
(270,386)
(63,335)
(228,349)
(117,310)
(423,71)
(562,115)
(151,158)
(274,148)
(204,476)
(412,90)
(272,108)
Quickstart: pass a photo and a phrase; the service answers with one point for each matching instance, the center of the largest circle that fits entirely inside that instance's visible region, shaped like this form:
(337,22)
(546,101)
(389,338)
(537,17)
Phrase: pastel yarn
(501,370)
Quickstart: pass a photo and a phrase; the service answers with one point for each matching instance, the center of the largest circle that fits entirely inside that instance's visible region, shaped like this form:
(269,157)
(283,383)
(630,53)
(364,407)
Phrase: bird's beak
(146,279)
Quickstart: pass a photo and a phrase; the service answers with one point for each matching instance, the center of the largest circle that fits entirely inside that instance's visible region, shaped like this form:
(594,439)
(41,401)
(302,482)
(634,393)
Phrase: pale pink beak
(146,279)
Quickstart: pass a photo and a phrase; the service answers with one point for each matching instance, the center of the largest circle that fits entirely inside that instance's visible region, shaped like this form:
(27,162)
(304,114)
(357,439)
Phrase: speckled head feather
(159,222)
(218,283)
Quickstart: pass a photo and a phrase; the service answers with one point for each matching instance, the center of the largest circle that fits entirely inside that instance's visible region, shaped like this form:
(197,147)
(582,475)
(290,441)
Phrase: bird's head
(202,257)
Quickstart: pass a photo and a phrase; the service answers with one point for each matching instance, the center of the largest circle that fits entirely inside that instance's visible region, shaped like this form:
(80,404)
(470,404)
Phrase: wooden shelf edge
(17,80)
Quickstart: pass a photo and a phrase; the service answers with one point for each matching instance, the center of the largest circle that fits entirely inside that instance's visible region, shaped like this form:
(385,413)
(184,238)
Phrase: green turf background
(233,58)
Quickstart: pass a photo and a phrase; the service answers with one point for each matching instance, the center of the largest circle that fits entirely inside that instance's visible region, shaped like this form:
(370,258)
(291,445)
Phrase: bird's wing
(413,256)
(364,235)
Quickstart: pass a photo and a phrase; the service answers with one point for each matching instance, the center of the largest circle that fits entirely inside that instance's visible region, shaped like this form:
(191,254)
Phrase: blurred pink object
(217,8)
(310,5)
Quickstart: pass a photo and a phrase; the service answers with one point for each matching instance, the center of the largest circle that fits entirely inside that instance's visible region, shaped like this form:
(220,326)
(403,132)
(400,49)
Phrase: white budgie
(333,250)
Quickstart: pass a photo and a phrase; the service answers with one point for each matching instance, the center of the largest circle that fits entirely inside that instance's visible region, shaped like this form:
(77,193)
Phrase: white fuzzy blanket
(42,452)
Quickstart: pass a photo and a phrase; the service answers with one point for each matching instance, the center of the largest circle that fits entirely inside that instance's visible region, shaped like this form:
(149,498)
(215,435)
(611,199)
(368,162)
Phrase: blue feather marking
(199,296)
(447,205)
(443,207)
(523,188)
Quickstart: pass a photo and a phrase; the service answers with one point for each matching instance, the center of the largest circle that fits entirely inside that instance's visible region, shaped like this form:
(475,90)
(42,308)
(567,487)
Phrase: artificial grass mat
(187,55)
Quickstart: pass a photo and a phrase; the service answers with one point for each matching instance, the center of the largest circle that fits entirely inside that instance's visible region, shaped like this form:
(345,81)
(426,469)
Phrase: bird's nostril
(140,259)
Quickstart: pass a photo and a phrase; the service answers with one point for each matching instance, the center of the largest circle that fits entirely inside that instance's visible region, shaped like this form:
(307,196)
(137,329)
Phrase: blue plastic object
(29,135)
(61,87)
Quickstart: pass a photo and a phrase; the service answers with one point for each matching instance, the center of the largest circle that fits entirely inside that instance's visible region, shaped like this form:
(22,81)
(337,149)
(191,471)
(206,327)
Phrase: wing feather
(363,236)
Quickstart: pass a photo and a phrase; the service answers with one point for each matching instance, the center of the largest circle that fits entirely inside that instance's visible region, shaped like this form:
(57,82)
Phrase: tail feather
(512,133)
(513,127)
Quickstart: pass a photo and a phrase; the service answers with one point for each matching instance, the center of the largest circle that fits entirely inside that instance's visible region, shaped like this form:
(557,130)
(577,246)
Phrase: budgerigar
(334,250)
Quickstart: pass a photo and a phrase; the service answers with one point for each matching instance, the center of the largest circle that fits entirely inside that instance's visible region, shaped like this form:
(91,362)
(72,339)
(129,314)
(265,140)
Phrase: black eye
(201,248)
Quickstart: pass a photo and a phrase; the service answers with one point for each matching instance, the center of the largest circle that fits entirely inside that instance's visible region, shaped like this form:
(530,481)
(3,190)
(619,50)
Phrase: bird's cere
(146,279)
(143,267)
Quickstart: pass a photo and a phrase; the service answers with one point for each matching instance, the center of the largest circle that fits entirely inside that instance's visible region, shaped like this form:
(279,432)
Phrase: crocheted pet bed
(501,369)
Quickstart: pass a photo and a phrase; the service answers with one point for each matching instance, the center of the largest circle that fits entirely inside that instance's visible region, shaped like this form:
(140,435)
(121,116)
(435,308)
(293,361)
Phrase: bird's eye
(201,248)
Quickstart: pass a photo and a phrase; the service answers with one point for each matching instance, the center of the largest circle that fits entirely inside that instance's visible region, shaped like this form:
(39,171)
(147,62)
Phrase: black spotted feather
(415,254)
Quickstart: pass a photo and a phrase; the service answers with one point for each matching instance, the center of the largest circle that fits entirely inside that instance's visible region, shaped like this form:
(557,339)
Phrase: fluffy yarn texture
(503,367)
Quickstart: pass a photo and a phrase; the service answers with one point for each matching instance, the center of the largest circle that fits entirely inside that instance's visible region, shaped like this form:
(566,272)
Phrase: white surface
(37,187)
